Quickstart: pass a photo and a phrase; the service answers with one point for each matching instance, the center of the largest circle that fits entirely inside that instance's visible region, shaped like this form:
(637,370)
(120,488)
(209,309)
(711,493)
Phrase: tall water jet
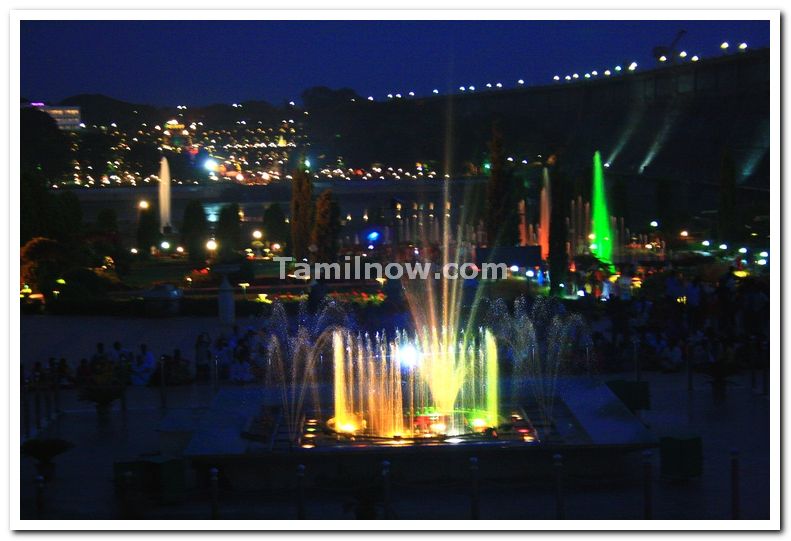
(164,195)
(601,243)
(543,232)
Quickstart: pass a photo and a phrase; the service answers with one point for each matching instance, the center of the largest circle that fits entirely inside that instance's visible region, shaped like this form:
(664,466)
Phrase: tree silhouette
(558,232)
(229,231)
(500,216)
(274,223)
(325,228)
(147,231)
(727,210)
(301,213)
(195,231)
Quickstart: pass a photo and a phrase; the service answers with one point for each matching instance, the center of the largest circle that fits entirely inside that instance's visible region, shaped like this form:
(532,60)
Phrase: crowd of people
(711,326)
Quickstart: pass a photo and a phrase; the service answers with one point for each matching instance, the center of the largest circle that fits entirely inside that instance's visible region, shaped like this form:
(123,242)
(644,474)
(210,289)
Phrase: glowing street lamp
(257,235)
(654,223)
(143,205)
(165,245)
(723,246)
(684,233)
(211,245)
(724,45)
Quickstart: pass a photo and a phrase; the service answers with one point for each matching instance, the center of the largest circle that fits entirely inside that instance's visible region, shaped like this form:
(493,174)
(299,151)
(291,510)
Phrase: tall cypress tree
(147,231)
(500,215)
(727,209)
(195,231)
(325,228)
(229,231)
(301,213)
(558,232)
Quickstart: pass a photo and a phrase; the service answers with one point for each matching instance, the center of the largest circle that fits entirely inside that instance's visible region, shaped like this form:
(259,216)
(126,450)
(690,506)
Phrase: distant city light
(761,262)
(576,76)
(373,236)
(654,223)
(742,250)
(663,58)
(530,273)
(742,46)
(594,73)
(462,88)
(695,58)
(723,246)
(165,245)
(556,78)
(143,205)
(633,66)
(649,246)
(411,93)
(706,243)
(133,250)
(724,45)
(568,77)
(210,164)
(580,293)
(435,91)
(307,162)
(470,88)
(617,68)
(211,245)
(514,268)
(607,73)
(180,249)
(683,54)
(684,233)
(522,81)
(764,254)
(370,98)
(257,234)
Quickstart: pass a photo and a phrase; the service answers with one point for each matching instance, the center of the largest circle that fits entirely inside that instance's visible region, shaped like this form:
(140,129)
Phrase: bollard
(163,401)
(753,358)
(648,510)
(301,492)
(126,494)
(214,475)
(25,410)
(47,400)
(560,508)
(37,403)
(386,487)
(57,396)
(734,484)
(474,490)
(215,375)
(40,493)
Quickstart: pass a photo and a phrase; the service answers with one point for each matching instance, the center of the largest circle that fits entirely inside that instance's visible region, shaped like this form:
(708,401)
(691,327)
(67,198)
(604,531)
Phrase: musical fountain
(484,378)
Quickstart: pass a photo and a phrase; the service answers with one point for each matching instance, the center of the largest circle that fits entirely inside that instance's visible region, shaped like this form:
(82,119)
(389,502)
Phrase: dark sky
(202,62)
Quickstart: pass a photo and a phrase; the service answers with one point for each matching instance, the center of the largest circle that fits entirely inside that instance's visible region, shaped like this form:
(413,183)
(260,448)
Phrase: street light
(257,235)
(165,245)
(143,205)
(654,223)
(211,245)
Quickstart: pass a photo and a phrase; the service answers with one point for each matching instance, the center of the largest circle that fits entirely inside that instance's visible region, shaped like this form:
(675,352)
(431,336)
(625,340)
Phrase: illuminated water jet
(602,240)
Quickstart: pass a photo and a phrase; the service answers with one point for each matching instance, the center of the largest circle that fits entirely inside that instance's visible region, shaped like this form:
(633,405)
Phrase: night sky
(203,62)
